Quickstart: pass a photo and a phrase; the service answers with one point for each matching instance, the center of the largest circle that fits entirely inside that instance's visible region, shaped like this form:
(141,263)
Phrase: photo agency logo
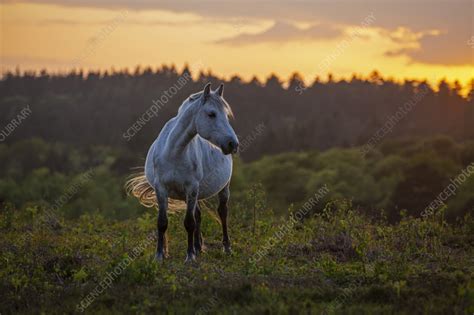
(248,140)
(160,102)
(325,64)
(449,191)
(245,143)
(470,42)
(393,120)
(285,229)
(49,219)
(13,124)
(97,40)
(110,276)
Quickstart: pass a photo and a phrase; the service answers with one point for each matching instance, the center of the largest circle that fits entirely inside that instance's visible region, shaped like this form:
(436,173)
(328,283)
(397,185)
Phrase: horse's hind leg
(198,246)
(224,196)
(190,222)
(162,223)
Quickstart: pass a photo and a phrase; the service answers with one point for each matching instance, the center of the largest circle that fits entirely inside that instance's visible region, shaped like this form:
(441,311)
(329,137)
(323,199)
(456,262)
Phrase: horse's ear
(220,90)
(207,91)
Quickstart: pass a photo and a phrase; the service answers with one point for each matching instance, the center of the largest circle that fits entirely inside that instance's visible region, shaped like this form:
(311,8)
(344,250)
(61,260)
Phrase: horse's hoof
(200,249)
(227,250)
(159,257)
(190,258)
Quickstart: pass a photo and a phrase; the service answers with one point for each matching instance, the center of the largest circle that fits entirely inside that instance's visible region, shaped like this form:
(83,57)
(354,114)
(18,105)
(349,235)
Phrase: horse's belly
(215,179)
(207,190)
(208,187)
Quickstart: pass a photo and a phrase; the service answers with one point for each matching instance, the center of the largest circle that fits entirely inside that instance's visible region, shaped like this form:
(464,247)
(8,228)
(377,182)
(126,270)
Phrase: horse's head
(212,120)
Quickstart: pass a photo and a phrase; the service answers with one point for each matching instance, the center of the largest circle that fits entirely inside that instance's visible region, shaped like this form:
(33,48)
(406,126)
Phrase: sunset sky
(401,39)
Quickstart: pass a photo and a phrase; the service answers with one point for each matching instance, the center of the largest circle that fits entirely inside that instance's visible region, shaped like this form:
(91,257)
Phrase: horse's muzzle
(231,147)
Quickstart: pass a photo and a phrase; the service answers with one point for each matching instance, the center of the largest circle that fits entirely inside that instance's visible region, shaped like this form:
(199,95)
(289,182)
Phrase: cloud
(47,22)
(415,14)
(65,22)
(432,47)
(453,18)
(27,61)
(284,32)
(133,21)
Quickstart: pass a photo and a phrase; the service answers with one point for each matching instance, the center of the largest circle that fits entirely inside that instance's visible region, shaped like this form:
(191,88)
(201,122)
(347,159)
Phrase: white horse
(190,160)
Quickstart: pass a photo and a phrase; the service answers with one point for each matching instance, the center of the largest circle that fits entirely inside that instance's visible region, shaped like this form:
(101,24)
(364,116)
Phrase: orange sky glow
(58,37)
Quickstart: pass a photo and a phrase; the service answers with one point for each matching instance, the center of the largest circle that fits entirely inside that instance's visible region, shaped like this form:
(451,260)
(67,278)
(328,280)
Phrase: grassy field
(336,262)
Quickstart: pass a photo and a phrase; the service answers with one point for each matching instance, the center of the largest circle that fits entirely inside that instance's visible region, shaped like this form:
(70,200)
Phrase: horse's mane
(215,99)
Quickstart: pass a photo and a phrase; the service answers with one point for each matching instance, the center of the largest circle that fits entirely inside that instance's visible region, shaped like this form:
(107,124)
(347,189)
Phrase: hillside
(336,262)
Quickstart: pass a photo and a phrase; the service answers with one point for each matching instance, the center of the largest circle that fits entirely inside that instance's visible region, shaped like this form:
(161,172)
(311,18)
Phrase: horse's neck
(182,133)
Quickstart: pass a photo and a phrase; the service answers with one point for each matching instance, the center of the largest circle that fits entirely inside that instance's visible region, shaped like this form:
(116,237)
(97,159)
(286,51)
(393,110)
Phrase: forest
(374,176)
(293,139)
(126,109)
(400,176)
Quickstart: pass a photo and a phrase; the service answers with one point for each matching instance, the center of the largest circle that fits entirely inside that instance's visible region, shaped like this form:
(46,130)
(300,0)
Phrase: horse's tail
(137,185)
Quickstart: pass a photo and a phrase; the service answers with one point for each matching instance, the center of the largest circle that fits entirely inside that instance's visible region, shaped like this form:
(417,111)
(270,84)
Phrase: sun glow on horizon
(60,38)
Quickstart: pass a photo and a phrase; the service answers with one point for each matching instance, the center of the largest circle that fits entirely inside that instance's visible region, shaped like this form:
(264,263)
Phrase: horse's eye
(212,115)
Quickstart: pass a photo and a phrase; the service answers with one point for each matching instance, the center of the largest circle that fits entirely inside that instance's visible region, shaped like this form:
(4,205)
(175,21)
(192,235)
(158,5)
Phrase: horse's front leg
(224,196)
(162,223)
(190,221)
(198,244)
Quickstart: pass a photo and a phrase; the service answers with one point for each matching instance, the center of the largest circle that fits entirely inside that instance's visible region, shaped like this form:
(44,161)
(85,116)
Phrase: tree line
(119,108)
